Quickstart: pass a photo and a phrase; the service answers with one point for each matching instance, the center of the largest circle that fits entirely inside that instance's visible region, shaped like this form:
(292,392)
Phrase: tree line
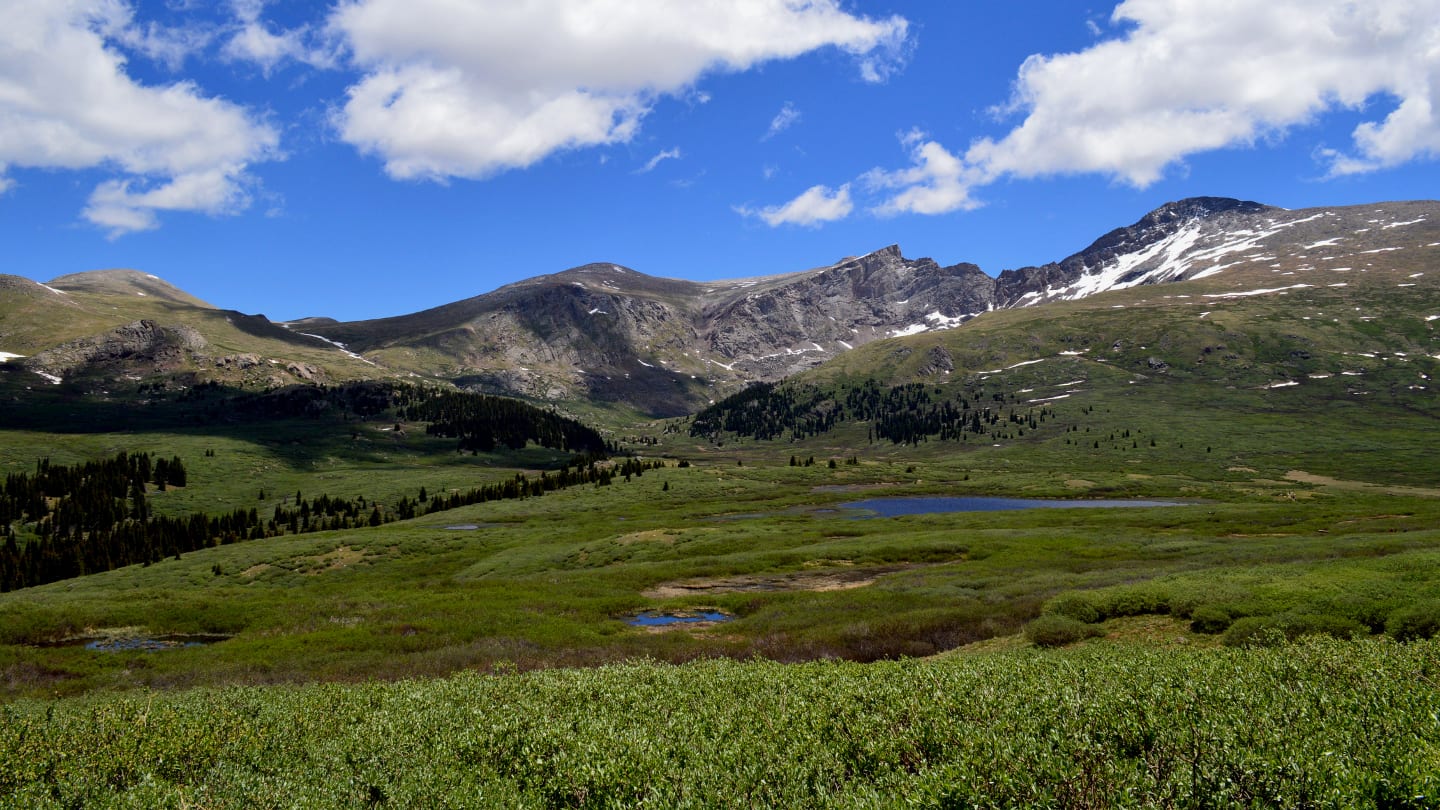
(902,414)
(94,517)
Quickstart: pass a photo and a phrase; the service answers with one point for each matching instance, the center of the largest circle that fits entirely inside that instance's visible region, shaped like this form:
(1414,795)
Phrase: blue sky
(375,157)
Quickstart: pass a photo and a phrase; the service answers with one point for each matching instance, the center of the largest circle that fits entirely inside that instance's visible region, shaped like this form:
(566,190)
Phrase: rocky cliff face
(143,346)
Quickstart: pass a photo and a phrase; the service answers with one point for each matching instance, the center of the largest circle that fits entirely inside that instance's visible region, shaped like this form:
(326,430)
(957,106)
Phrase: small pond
(140,643)
(896,507)
(650,618)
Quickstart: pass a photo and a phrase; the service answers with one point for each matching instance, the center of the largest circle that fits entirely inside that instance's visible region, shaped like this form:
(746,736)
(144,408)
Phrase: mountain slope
(122,326)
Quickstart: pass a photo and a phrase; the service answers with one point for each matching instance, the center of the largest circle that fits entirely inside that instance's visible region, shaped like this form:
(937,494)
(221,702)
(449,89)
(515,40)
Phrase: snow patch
(137,292)
(1324,243)
(148,275)
(1072,382)
(1403,224)
(51,377)
(1282,384)
(1257,292)
(9,356)
(338,345)
(912,329)
(52,289)
(1382,250)
(643,363)
(1047,399)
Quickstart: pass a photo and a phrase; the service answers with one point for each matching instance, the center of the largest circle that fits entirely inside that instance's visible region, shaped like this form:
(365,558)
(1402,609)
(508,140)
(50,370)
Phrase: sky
(368,158)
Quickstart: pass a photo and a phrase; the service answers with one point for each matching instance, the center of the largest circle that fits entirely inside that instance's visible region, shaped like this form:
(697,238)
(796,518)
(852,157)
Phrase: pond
(139,643)
(896,507)
(650,618)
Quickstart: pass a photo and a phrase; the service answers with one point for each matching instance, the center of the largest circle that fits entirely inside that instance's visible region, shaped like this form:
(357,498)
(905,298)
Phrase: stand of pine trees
(903,414)
(483,422)
(94,517)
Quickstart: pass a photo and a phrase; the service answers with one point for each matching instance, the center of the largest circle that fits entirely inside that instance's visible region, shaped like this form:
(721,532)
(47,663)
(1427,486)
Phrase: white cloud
(169,46)
(66,102)
(255,42)
(938,183)
(1192,77)
(817,205)
(668,154)
(470,89)
(783,120)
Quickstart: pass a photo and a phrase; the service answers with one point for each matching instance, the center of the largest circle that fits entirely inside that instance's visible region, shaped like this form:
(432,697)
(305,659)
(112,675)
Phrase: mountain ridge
(606,332)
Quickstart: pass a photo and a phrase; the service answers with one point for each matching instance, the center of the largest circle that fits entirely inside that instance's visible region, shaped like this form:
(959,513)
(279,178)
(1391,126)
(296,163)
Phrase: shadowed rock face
(141,346)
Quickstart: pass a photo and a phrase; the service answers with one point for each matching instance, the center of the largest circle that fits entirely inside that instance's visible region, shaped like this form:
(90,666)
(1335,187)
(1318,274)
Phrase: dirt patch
(1079,483)
(1326,481)
(852,487)
(664,536)
(828,580)
(342,557)
(255,570)
(1242,469)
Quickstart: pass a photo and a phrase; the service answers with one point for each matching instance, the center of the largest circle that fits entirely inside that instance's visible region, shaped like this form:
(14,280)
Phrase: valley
(1268,376)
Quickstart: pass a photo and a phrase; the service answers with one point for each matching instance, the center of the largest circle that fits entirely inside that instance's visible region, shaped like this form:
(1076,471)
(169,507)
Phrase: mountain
(607,332)
(665,346)
(113,327)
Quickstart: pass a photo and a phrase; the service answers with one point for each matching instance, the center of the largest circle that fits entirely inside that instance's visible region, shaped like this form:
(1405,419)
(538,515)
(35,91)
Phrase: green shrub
(1135,602)
(1074,606)
(1210,619)
(1269,631)
(1414,622)
(1052,630)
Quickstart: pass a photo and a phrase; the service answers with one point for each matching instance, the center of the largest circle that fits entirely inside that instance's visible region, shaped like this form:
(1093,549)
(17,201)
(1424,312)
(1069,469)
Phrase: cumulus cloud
(1186,78)
(819,204)
(470,89)
(939,181)
(1192,77)
(66,102)
(783,120)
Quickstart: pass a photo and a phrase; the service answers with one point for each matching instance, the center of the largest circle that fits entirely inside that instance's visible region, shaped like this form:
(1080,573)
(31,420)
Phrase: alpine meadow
(573,467)
(454,597)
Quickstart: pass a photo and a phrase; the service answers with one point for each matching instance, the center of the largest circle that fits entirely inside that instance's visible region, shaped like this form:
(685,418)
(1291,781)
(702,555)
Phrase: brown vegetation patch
(852,487)
(1326,481)
(827,580)
(665,536)
(341,557)
(1079,483)
(255,570)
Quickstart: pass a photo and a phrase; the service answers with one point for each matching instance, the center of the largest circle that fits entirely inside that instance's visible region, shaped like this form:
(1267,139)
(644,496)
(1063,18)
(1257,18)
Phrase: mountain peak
(125,282)
(1201,207)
